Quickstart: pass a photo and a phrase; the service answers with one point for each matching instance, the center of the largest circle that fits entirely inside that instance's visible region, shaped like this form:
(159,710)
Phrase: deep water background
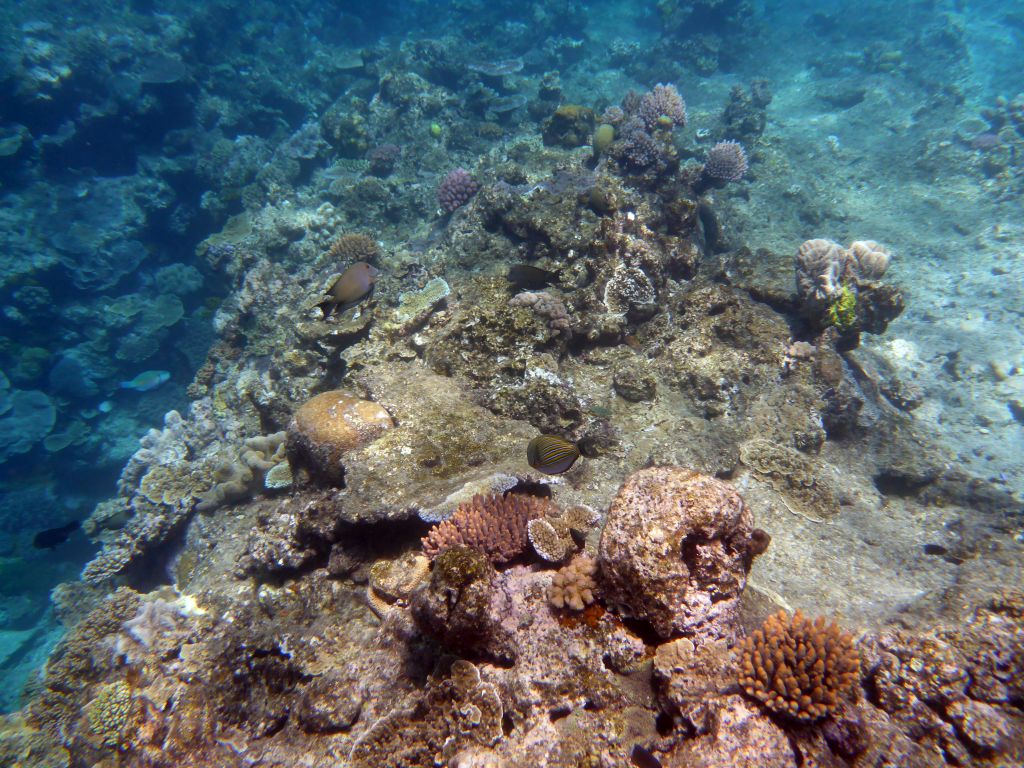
(130,131)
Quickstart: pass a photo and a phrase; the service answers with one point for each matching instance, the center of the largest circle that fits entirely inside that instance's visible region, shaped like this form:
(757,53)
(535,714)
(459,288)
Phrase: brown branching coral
(495,525)
(352,248)
(798,667)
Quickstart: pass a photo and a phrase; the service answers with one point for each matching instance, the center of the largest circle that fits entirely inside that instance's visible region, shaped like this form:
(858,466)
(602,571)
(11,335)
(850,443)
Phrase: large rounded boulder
(676,549)
(328,426)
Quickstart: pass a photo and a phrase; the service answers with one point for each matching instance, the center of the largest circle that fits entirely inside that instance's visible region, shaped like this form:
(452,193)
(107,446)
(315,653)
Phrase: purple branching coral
(662,102)
(495,525)
(726,161)
(456,189)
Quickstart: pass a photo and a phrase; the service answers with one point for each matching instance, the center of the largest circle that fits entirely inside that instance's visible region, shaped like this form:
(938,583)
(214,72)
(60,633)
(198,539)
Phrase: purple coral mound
(383,158)
(662,101)
(456,189)
(726,161)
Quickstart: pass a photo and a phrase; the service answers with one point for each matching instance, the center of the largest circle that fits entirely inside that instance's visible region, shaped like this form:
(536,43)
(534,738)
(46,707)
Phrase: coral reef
(798,667)
(580,283)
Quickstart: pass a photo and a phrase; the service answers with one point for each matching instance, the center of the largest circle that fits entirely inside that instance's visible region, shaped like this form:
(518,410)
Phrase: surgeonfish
(530,278)
(52,538)
(551,455)
(353,286)
(146,381)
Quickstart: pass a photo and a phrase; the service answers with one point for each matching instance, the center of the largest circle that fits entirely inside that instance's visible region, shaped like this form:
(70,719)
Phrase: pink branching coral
(726,161)
(663,101)
(495,525)
(456,189)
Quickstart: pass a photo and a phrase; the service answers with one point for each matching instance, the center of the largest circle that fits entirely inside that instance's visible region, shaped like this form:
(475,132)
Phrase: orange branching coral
(798,667)
(495,525)
(352,248)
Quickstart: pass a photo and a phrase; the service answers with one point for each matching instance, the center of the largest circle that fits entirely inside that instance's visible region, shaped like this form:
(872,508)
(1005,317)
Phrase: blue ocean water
(168,168)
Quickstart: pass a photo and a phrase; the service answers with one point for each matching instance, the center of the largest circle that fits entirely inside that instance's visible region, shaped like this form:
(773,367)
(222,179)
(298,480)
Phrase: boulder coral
(328,426)
(675,551)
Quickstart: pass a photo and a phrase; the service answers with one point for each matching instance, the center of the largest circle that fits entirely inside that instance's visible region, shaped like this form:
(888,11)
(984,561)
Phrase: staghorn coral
(797,667)
(495,525)
(573,586)
(637,150)
(661,103)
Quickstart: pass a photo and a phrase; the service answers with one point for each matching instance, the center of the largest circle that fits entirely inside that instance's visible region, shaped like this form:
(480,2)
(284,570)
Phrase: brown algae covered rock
(444,450)
(330,425)
(675,551)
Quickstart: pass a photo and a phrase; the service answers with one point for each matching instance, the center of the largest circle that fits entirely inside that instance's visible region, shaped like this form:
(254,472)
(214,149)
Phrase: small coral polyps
(797,667)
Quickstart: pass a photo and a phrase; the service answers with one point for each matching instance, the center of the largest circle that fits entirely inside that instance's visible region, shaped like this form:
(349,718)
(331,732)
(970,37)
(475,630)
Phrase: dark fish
(54,537)
(642,758)
(551,455)
(529,277)
(353,286)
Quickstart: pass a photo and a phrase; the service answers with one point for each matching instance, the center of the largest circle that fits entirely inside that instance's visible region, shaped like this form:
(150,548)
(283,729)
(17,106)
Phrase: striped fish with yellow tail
(551,455)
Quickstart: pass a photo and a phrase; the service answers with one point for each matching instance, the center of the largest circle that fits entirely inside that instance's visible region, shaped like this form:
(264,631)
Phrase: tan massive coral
(330,425)
(675,551)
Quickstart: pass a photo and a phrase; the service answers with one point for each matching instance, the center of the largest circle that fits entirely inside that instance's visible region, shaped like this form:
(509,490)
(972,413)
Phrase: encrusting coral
(495,525)
(798,667)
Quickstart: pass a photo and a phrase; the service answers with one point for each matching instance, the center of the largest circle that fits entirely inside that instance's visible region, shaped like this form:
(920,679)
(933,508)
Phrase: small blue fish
(146,381)
(551,455)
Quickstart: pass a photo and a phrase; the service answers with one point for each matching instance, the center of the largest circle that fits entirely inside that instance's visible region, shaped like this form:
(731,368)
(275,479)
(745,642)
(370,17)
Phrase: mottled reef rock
(675,551)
